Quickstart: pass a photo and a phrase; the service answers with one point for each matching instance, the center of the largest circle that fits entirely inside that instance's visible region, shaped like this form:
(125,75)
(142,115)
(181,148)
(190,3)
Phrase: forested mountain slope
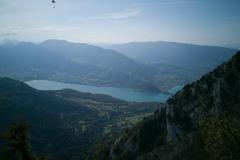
(65,124)
(199,122)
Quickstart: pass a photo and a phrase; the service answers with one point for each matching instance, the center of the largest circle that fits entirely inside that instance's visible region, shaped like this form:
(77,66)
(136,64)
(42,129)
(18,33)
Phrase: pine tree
(18,145)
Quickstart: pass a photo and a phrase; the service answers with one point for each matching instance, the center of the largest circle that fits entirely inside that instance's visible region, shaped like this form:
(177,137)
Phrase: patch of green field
(84,125)
(108,129)
(136,118)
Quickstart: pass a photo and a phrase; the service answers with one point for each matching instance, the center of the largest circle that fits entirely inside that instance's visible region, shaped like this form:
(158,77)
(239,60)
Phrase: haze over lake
(121,93)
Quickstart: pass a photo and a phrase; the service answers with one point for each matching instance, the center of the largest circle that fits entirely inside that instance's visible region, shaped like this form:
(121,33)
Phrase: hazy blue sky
(213,22)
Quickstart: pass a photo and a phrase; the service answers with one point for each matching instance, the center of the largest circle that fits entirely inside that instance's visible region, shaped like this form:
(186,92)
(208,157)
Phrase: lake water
(121,93)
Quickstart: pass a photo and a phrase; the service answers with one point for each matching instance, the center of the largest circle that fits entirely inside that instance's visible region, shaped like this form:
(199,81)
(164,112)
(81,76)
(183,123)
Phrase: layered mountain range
(143,66)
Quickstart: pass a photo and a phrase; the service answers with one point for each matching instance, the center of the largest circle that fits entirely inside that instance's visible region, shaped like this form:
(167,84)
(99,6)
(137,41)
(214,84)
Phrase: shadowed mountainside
(64,124)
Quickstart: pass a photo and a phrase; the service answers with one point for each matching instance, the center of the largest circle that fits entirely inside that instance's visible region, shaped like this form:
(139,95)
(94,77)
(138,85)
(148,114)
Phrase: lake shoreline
(126,94)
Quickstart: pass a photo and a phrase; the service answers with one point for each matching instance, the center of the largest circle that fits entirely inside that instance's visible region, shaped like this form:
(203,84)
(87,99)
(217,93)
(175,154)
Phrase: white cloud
(9,34)
(128,13)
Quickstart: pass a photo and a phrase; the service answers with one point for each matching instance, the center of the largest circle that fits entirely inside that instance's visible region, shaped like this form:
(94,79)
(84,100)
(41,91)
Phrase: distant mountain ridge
(175,63)
(189,59)
(174,53)
(73,62)
(169,64)
(93,55)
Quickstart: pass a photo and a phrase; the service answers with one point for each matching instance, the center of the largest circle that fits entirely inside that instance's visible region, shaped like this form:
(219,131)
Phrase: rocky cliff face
(215,93)
(192,119)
